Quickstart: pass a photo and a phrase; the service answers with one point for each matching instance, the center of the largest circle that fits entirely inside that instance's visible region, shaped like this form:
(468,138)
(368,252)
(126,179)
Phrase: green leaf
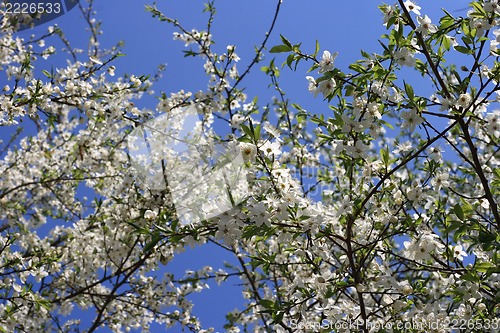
(483,266)
(462,230)
(445,22)
(290,59)
(391,21)
(174,224)
(446,43)
(497,172)
(256,132)
(278,317)
(247,131)
(154,240)
(387,124)
(467,41)
(421,67)
(342,284)
(313,67)
(452,225)
(470,277)
(298,107)
(286,41)
(478,7)
(349,90)
(465,27)
(189,53)
(409,91)
(317,48)
(486,237)
(457,209)
(463,49)
(280,49)
(46,304)
(266,303)
(358,68)
(384,153)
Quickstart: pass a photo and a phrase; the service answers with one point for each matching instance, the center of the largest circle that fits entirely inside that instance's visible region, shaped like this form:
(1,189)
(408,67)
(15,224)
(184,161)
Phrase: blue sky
(340,26)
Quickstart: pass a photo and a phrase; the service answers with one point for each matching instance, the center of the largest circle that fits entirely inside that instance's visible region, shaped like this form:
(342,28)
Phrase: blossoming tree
(379,248)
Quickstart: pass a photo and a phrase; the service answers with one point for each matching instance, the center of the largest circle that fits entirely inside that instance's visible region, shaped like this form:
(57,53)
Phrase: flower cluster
(380,208)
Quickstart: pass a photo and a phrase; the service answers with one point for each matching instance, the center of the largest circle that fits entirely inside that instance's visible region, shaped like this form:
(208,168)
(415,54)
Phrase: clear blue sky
(340,26)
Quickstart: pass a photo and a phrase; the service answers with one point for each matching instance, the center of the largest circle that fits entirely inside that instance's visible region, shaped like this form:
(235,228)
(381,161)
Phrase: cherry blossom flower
(405,288)
(491,6)
(459,253)
(452,40)
(493,123)
(411,119)
(237,120)
(414,193)
(359,149)
(326,87)
(403,147)
(350,125)
(446,104)
(272,131)
(95,60)
(412,7)
(271,148)
(321,281)
(327,61)
(235,104)
(345,206)
(464,100)
(149,215)
(481,25)
(228,230)
(425,25)
(435,154)
(422,249)
(313,86)
(404,57)
(395,96)
(389,12)
(248,151)
(440,180)
(232,55)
